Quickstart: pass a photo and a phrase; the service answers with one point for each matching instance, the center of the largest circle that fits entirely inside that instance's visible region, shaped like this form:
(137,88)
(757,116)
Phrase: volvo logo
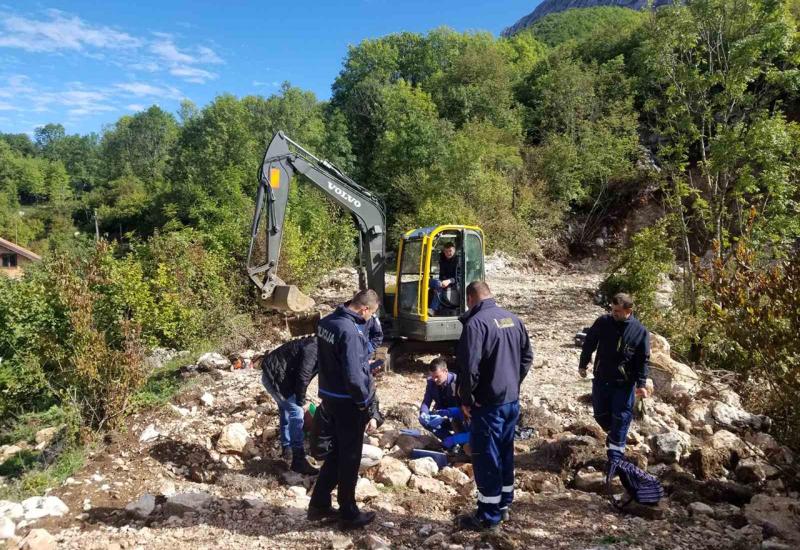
(344,194)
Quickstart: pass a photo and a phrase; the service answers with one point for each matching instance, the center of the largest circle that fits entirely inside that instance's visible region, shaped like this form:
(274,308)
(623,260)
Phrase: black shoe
(362,519)
(505,514)
(301,465)
(286,453)
(321,514)
(472,522)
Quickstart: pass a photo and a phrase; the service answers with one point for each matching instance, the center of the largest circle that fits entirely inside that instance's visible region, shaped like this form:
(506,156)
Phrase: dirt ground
(253,506)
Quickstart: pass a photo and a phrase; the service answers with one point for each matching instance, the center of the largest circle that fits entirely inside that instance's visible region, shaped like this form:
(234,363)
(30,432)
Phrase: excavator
(409,325)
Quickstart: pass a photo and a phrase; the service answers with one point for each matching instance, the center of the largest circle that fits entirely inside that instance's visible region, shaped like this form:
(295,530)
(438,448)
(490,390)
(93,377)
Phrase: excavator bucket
(289,298)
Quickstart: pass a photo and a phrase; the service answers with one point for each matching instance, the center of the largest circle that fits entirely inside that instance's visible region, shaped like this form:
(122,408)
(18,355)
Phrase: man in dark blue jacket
(440,411)
(347,389)
(620,370)
(494,355)
(374,332)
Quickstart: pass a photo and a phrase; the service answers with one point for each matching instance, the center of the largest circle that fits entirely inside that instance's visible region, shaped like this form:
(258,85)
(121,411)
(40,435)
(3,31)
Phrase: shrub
(638,266)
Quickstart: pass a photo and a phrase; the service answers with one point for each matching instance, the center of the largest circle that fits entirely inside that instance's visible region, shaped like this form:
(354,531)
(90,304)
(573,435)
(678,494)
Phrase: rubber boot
(301,465)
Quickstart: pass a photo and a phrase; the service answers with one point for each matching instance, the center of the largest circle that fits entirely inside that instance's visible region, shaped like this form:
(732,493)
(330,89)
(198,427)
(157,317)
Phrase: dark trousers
(492,441)
(341,465)
(613,409)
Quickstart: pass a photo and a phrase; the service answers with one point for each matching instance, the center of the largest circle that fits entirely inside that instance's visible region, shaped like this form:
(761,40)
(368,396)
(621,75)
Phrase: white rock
(671,446)
(207,399)
(149,434)
(142,507)
(340,542)
(392,471)
(700,509)
(40,507)
(370,455)
(38,539)
(213,360)
(297,491)
(374,542)
(366,490)
(179,410)
(7,451)
(425,466)
(7,528)
(453,476)
(233,438)
(732,417)
(425,484)
(11,510)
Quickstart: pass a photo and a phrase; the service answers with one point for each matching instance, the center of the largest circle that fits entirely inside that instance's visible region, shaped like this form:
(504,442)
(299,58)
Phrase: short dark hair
(622,299)
(365,298)
(478,289)
(449,244)
(438,364)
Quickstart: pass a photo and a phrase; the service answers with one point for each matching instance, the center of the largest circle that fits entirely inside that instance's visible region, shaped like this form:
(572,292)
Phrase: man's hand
(642,392)
(446,283)
(466,410)
(372,426)
(582,372)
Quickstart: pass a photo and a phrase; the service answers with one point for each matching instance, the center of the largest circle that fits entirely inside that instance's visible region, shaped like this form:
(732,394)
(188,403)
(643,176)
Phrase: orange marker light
(275,178)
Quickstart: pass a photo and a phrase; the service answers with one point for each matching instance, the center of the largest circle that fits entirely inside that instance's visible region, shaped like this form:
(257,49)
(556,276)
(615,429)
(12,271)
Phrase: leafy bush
(638,266)
(317,238)
(752,322)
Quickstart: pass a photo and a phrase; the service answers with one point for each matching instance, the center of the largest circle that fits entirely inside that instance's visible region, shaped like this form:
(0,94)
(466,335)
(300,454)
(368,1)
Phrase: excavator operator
(449,268)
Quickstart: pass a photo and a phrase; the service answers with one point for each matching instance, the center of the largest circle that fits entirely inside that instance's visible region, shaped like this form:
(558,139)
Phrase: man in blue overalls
(440,411)
(620,370)
(347,389)
(494,355)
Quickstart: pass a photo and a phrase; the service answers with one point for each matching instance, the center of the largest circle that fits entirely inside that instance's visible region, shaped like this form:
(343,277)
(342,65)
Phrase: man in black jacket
(620,370)
(286,373)
(494,354)
(449,269)
(347,389)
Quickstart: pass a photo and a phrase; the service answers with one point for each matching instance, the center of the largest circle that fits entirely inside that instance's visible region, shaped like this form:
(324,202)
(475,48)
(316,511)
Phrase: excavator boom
(283,160)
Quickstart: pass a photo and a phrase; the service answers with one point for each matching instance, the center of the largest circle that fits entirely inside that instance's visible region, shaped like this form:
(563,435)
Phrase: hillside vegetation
(546,142)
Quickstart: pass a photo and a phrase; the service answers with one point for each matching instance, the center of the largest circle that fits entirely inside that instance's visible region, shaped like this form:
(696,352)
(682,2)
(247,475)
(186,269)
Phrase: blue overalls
(621,365)
(494,355)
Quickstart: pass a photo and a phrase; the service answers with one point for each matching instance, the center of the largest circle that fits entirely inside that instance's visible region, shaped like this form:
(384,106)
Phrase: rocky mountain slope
(555,6)
(206,472)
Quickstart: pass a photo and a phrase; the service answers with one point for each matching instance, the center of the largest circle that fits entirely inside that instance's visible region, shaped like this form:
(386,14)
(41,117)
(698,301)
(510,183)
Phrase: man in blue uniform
(494,355)
(347,390)
(620,370)
(440,411)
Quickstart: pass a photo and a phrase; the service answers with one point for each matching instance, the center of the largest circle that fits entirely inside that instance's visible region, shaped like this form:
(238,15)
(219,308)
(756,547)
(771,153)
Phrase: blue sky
(86,63)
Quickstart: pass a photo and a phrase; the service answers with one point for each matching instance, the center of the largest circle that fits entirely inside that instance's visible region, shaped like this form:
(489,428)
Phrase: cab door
(409,278)
(473,258)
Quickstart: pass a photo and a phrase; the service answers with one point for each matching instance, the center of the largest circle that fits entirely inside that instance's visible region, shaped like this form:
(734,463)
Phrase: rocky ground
(205,472)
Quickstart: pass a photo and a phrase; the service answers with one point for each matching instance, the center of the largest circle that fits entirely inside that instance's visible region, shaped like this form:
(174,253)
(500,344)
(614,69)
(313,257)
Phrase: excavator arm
(282,161)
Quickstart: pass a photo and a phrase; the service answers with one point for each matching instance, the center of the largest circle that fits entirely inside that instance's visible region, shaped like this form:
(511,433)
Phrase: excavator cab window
(446,302)
(473,257)
(410,277)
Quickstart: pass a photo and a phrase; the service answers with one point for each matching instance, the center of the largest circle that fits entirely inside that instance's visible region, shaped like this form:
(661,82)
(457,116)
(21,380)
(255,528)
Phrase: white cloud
(170,53)
(7,106)
(60,31)
(183,63)
(142,89)
(17,85)
(192,74)
(135,107)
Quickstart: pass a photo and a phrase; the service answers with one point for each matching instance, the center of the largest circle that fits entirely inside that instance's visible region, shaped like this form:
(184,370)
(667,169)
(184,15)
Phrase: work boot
(472,522)
(362,519)
(301,465)
(321,514)
(505,514)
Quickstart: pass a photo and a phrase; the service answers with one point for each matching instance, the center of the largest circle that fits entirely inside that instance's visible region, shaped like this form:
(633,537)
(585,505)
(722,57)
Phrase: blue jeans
(492,441)
(290,416)
(613,409)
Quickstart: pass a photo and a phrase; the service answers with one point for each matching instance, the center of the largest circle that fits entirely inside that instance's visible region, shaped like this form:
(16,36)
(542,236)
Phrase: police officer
(494,355)
(620,370)
(347,391)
